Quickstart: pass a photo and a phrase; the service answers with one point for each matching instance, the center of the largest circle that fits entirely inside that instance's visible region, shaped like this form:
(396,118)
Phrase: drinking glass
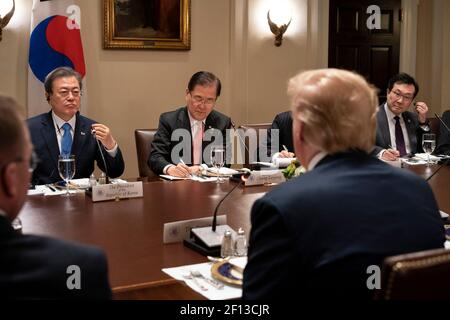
(428,144)
(218,160)
(66,168)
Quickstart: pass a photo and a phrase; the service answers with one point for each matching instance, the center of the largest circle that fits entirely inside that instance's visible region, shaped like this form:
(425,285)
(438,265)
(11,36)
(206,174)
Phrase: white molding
(318,21)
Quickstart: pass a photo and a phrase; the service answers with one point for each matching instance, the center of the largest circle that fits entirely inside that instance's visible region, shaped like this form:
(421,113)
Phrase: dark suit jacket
(162,146)
(444,137)
(84,147)
(282,122)
(318,233)
(383,138)
(35,267)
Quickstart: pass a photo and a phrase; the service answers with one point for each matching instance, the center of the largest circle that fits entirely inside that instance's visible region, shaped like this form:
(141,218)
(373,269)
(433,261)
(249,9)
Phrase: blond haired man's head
(333,111)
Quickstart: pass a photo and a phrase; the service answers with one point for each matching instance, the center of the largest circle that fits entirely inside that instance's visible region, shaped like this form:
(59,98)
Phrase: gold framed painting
(147,24)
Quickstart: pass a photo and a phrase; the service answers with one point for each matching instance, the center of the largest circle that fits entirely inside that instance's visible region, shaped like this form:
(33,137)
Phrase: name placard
(104,192)
(265,177)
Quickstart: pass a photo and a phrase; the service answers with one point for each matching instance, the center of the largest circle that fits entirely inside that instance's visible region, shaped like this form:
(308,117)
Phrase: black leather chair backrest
(144,138)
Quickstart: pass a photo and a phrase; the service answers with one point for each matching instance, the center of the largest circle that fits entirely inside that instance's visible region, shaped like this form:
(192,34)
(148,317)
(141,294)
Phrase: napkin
(228,292)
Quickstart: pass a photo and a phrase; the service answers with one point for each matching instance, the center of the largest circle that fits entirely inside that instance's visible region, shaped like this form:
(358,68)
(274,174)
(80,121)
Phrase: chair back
(257,127)
(144,139)
(435,127)
(421,275)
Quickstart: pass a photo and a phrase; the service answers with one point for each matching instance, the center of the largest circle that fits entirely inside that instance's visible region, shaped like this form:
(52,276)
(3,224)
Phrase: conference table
(130,231)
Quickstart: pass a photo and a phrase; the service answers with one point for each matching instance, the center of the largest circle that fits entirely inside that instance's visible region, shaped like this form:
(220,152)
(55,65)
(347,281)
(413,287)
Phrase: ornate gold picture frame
(147,24)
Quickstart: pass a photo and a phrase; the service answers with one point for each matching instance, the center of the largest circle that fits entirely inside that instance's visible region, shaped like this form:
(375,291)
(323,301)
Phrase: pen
(181,160)
(285,149)
(51,187)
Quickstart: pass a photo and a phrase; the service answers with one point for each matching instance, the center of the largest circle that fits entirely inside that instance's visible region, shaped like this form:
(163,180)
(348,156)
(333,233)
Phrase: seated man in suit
(319,233)
(399,132)
(63,131)
(35,267)
(193,122)
(282,123)
(444,136)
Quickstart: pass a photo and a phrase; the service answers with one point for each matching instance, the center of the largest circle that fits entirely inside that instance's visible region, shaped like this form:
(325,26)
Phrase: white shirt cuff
(275,155)
(380,154)
(167,168)
(113,151)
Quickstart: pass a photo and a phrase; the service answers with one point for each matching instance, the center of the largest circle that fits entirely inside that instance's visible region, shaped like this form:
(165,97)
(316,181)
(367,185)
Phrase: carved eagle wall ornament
(5,20)
(278,31)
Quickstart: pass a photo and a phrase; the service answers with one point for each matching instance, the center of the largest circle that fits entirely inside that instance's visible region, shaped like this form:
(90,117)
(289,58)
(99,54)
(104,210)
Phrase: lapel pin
(82,133)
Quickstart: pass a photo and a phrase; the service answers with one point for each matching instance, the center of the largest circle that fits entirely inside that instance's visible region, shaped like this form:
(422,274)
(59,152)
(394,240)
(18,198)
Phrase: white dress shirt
(315,160)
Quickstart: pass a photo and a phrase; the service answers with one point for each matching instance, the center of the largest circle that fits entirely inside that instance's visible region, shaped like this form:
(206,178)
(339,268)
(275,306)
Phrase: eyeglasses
(206,101)
(34,161)
(398,95)
(65,93)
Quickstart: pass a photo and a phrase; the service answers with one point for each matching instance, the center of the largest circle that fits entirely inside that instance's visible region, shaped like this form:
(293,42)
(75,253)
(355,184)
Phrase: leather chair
(257,127)
(144,138)
(435,127)
(421,275)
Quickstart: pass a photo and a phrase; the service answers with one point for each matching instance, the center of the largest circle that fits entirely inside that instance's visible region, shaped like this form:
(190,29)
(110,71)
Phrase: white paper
(168,177)
(228,292)
(223,171)
(443,214)
(283,162)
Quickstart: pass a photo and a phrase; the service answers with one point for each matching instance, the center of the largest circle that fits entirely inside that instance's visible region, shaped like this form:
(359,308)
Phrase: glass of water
(66,168)
(428,144)
(218,160)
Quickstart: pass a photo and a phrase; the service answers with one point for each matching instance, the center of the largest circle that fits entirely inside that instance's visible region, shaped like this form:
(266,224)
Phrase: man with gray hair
(318,234)
(195,120)
(63,131)
(35,267)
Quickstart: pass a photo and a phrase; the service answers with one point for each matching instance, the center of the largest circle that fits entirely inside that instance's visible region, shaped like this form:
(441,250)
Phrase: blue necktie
(66,141)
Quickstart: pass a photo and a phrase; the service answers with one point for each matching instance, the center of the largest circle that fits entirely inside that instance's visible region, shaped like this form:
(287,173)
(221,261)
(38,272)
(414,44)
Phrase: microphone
(442,121)
(241,139)
(101,153)
(207,240)
(244,177)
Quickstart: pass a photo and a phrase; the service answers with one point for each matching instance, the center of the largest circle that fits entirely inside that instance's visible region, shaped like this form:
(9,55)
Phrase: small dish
(228,273)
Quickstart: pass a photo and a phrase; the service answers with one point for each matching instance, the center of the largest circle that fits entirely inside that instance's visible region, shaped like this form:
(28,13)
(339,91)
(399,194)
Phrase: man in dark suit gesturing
(35,267)
(399,132)
(320,232)
(195,127)
(64,131)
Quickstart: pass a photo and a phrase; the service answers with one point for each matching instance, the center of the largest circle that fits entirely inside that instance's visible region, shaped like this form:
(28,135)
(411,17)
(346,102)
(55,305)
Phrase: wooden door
(373,53)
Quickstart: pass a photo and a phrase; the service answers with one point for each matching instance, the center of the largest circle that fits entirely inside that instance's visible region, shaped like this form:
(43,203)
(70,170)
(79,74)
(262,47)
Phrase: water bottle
(102,179)
(92,180)
(240,245)
(227,245)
